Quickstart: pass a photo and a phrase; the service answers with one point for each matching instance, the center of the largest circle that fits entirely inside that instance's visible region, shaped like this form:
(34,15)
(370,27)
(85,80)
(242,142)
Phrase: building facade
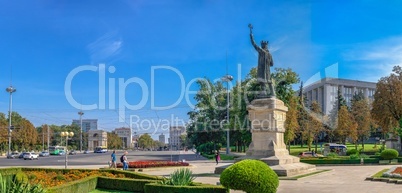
(125,135)
(87,124)
(96,138)
(325,91)
(162,139)
(135,140)
(174,136)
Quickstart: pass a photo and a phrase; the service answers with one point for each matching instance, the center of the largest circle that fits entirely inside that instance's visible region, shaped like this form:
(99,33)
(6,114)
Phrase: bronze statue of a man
(265,61)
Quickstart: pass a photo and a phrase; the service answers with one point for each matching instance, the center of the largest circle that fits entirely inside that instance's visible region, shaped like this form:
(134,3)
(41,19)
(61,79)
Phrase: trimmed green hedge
(138,184)
(389,154)
(131,185)
(9,171)
(252,176)
(196,188)
(84,185)
(339,161)
(134,175)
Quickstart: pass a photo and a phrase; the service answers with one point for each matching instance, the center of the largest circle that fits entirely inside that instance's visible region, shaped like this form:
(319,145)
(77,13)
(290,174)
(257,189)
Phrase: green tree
(183,140)
(346,126)
(3,133)
(317,121)
(206,120)
(145,141)
(387,104)
(360,110)
(340,102)
(284,79)
(114,141)
(291,123)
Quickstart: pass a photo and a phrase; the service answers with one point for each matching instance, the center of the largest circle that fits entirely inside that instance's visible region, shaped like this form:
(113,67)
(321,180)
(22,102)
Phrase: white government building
(325,91)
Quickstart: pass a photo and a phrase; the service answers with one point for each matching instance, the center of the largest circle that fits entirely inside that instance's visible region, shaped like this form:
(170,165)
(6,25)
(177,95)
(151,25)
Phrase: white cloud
(375,59)
(105,48)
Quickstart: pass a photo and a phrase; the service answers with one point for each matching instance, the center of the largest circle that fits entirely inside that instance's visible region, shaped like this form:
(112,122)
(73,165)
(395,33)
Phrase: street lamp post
(227,78)
(66,134)
(10,90)
(81,113)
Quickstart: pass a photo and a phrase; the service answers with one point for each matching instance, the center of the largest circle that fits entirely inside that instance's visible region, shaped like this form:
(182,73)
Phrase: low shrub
(135,175)
(208,148)
(86,184)
(194,188)
(332,155)
(354,156)
(251,176)
(9,171)
(388,154)
(181,177)
(339,161)
(352,152)
(21,177)
(131,185)
(152,164)
(364,156)
(8,185)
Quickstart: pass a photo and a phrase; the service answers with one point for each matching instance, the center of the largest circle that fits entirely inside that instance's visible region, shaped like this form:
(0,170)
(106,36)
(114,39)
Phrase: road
(99,158)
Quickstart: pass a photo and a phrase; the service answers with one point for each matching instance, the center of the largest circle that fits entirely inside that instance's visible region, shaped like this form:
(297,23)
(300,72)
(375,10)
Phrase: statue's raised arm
(263,69)
(252,38)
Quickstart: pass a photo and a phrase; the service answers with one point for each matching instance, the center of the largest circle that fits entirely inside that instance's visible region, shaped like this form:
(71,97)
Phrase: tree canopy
(387,105)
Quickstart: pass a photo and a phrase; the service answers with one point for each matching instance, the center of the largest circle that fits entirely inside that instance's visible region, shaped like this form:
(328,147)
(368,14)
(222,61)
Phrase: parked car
(72,152)
(44,154)
(31,156)
(62,152)
(21,155)
(86,152)
(13,155)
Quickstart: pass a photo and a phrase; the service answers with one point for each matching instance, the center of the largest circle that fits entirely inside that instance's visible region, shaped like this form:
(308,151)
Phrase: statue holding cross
(265,61)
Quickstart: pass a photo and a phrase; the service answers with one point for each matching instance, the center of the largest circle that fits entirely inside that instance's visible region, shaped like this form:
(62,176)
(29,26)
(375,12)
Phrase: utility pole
(48,143)
(10,90)
(43,138)
(81,113)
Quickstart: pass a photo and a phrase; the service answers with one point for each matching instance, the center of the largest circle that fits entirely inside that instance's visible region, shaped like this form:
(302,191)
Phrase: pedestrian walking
(113,160)
(217,157)
(124,160)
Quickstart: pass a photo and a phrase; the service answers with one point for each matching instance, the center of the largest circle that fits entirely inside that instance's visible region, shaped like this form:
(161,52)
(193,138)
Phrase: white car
(30,156)
(44,154)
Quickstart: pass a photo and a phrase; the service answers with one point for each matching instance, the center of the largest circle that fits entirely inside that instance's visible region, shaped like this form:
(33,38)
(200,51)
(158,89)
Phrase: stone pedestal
(267,118)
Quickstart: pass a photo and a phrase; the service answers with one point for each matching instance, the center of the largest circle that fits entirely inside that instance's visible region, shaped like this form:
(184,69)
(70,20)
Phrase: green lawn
(296,149)
(379,174)
(223,156)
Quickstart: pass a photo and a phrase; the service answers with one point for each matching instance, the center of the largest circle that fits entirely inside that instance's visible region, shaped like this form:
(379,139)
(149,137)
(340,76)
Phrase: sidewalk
(341,179)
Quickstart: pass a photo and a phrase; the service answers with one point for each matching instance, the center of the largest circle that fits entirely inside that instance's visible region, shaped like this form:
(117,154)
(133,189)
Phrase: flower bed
(152,164)
(49,179)
(394,172)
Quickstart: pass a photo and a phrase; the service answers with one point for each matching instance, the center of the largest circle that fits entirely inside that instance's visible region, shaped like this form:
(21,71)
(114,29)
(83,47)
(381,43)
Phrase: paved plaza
(342,179)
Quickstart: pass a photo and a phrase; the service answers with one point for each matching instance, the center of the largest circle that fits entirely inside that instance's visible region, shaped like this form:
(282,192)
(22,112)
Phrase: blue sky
(42,42)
